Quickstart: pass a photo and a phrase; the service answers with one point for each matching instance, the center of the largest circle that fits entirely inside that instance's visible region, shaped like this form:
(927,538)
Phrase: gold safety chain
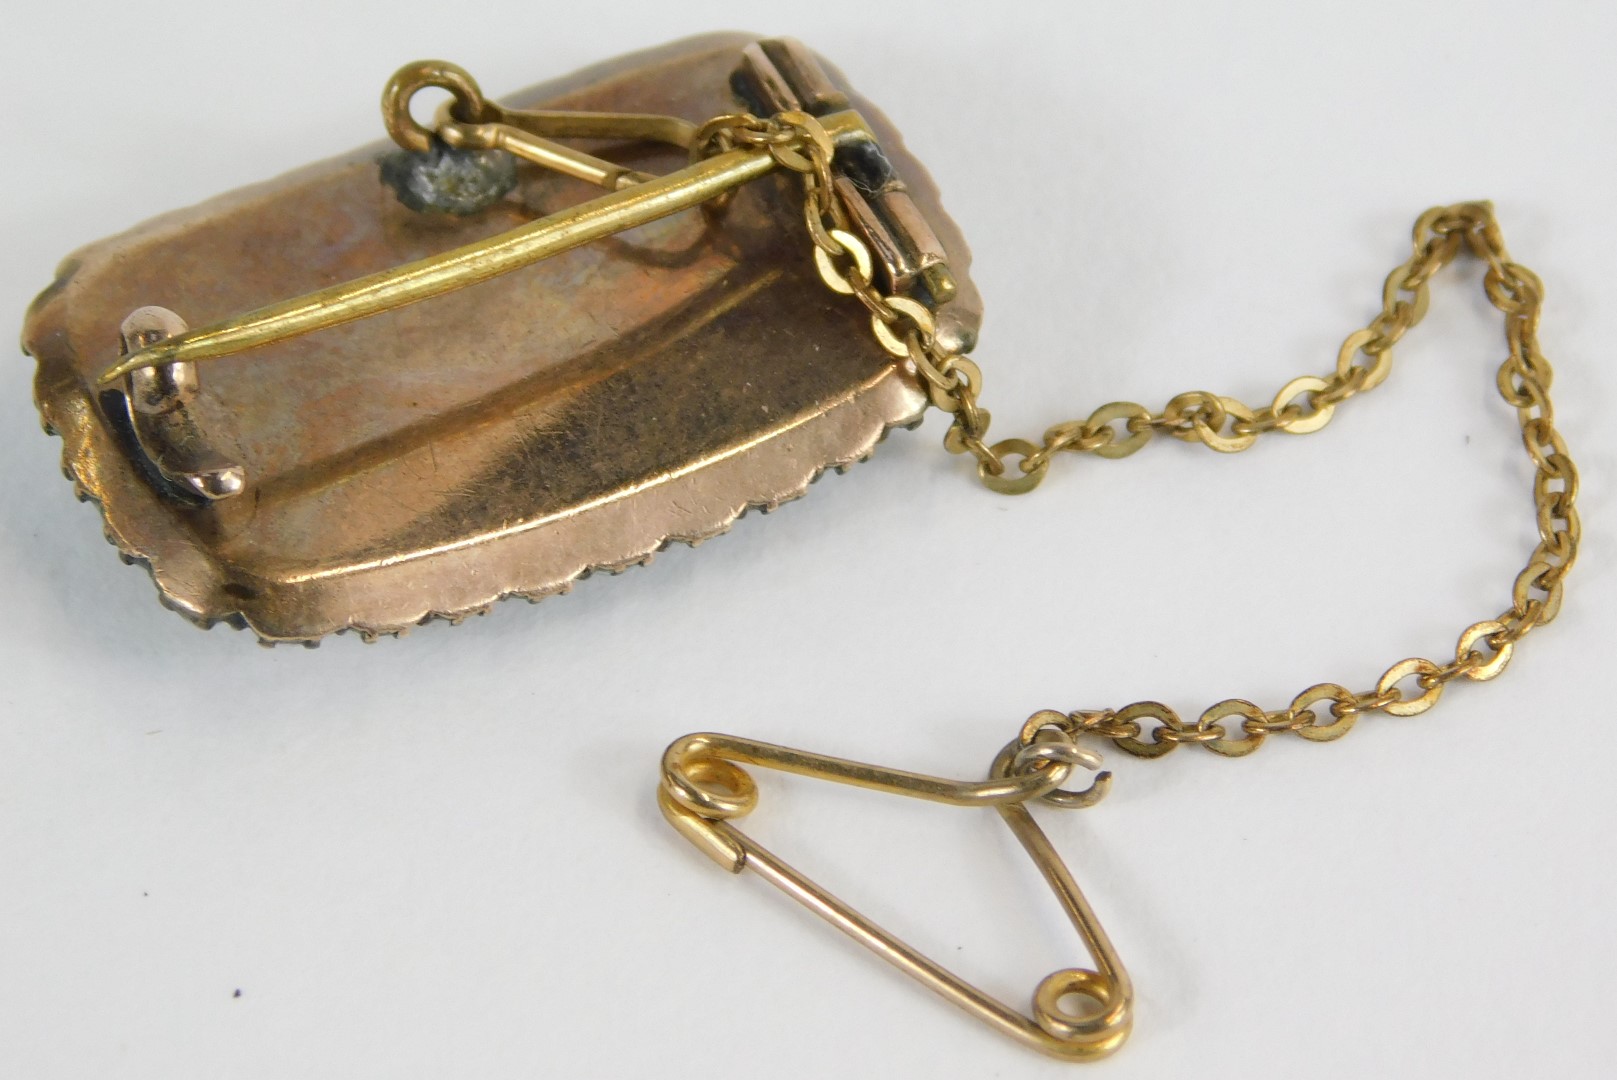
(905,328)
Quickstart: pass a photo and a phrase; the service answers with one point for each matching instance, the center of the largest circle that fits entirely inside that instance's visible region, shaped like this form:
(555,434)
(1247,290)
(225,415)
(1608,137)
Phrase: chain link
(1232,728)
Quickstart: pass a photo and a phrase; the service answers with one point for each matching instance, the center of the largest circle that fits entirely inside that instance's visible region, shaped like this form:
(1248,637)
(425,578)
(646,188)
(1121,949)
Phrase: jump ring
(471,107)
(1303,424)
(834,279)
(1401,671)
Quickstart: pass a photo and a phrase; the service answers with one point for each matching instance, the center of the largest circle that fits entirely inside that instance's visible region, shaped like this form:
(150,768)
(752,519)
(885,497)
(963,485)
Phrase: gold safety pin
(703,787)
(636,199)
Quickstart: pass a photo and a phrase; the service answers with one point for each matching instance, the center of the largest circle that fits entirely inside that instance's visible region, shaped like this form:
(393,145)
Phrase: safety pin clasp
(704,788)
(161,406)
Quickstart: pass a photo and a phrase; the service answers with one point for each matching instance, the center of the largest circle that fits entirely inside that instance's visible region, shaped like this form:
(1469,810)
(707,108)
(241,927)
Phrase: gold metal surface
(497,128)
(1410,686)
(703,790)
(631,371)
(1224,424)
(474,263)
(632,389)
(469,108)
(540,151)
(782,78)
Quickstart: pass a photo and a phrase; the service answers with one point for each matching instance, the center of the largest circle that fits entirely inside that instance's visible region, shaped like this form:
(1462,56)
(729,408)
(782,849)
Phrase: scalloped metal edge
(239,620)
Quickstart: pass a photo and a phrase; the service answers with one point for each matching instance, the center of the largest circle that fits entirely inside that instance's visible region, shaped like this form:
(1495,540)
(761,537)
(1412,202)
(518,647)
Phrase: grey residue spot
(449,181)
(867,166)
(237,994)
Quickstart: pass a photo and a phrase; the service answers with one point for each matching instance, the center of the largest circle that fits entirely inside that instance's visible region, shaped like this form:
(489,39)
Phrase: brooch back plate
(502,440)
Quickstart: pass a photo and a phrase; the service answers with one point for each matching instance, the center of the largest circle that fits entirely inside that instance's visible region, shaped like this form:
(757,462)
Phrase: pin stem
(474,263)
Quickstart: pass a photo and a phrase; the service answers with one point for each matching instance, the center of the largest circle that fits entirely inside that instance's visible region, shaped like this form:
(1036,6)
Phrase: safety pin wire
(703,787)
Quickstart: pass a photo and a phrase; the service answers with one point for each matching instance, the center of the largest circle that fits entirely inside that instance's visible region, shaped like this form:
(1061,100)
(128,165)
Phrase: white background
(440,857)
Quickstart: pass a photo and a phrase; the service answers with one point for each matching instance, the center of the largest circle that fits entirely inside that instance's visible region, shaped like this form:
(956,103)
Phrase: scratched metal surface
(504,439)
